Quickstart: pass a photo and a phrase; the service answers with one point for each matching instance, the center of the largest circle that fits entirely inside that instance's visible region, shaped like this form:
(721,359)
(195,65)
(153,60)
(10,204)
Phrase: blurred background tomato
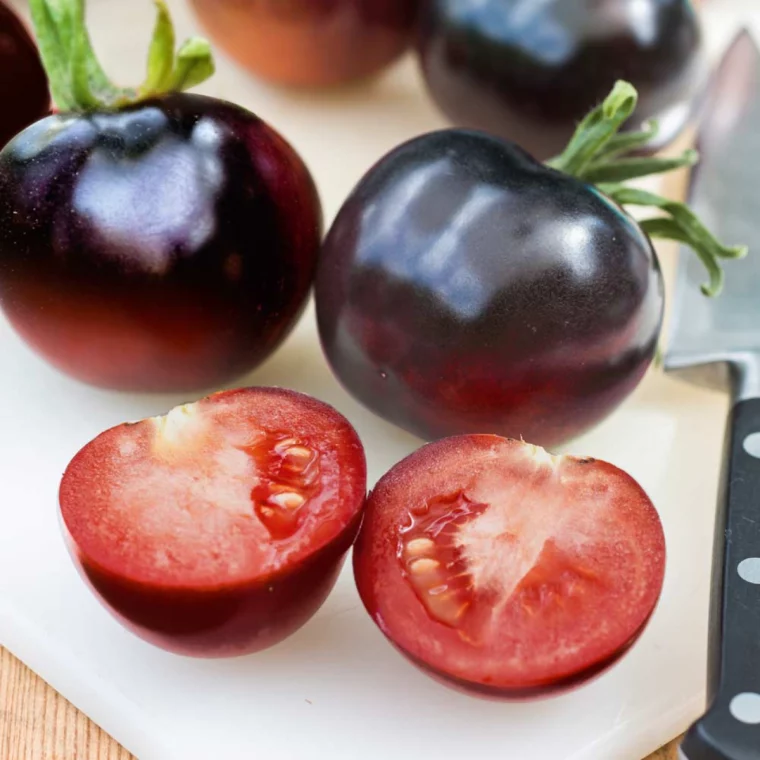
(310,42)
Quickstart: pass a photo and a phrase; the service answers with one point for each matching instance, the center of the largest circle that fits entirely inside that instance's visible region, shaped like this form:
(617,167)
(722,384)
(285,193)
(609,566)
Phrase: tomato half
(220,527)
(507,571)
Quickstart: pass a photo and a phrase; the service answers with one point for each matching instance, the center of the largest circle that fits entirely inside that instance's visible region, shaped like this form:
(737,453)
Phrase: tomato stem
(597,129)
(600,155)
(77,80)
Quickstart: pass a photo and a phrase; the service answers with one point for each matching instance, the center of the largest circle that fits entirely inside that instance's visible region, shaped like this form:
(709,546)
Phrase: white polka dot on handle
(752,445)
(746,708)
(749,570)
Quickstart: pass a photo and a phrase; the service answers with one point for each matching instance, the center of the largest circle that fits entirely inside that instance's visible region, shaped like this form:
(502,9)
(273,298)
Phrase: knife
(716,343)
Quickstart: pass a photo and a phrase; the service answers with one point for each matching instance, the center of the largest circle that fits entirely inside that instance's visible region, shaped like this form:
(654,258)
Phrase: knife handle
(731,728)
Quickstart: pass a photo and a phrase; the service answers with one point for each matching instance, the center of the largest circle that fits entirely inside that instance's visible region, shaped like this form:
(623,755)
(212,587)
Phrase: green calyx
(600,155)
(77,80)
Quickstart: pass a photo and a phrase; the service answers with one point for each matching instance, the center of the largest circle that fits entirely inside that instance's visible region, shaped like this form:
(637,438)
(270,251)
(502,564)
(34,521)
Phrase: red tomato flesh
(505,570)
(220,527)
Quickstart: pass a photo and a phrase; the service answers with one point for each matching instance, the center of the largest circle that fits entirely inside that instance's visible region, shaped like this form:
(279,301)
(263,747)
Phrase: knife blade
(716,342)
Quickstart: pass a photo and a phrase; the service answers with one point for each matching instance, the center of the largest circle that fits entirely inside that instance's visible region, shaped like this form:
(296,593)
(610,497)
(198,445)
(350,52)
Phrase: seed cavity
(433,563)
(288,477)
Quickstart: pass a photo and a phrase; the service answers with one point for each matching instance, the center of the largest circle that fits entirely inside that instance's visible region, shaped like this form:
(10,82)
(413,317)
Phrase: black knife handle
(731,728)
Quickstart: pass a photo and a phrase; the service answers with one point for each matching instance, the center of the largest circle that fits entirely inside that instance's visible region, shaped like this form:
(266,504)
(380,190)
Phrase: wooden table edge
(37,723)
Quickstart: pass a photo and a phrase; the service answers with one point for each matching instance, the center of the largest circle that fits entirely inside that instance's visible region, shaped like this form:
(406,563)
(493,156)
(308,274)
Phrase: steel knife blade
(716,342)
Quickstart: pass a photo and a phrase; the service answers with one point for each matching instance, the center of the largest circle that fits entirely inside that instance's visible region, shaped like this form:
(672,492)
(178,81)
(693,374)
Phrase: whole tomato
(23,84)
(311,42)
(529,72)
(152,240)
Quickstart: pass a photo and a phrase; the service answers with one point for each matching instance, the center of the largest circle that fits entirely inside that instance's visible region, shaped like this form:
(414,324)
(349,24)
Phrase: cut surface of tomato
(508,570)
(249,492)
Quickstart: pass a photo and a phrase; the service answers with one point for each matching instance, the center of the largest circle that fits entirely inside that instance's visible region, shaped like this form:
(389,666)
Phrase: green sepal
(79,74)
(669,229)
(626,169)
(77,80)
(629,142)
(601,155)
(195,64)
(683,225)
(161,53)
(597,129)
(53,51)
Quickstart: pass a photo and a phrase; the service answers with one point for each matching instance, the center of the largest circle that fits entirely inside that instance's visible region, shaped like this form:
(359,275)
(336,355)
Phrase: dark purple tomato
(311,42)
(529,72)
(170,245)
(464,288)
(23,84)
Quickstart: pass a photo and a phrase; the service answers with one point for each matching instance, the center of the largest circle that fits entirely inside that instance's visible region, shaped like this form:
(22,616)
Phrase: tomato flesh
(237,496)
(503,569)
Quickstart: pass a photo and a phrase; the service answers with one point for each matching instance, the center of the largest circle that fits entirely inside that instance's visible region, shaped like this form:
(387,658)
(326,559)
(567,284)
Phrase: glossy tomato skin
(23,83)
(531,76)
(465,288)
(229,611)
(311,43)
(545,635)
(519,693)
(166,247)
(224,622)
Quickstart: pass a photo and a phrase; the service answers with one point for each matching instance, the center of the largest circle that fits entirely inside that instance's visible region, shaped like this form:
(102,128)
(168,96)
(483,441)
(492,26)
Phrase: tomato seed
(424,566)
(287,500)
(419,546)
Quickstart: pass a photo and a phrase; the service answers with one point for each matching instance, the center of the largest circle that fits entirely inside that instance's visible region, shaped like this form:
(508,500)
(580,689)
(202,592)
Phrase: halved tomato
(507,571)
(220,528)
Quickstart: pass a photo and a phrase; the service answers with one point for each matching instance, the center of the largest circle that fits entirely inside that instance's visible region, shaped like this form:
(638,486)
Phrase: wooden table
(37,723)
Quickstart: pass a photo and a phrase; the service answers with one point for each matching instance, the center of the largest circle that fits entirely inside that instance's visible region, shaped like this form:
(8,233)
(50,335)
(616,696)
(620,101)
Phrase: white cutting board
(336,689)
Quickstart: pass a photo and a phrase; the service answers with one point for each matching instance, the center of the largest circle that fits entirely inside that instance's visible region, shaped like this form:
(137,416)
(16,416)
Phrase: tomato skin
(227,608)
(465,288)
(531,75)
(23,83)
(310,43)
(519,694)
(536,650)
(224,622)
(169,246)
